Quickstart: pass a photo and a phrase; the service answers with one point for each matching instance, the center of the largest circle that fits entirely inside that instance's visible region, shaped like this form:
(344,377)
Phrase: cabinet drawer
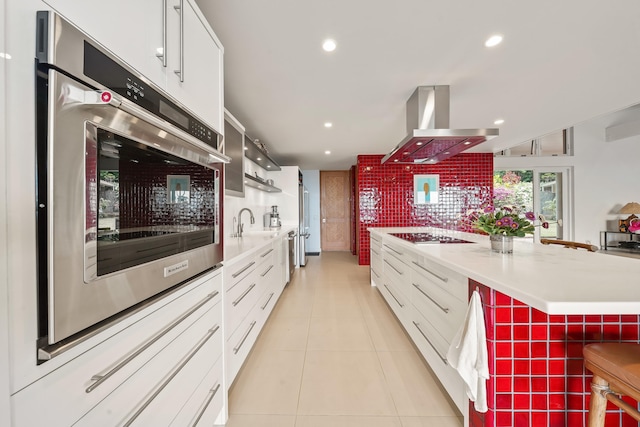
(266,255)
(238,271)
(425,335)
(154,394)
(205,405)
(444,311)
(376,275)
(74,388)
(448,280)
(396,300)
(398,273)
(240,343)
(239,302)
(434,350)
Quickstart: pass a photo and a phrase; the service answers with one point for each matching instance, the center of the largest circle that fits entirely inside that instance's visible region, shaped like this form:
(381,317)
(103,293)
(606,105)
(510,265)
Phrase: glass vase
(501,243)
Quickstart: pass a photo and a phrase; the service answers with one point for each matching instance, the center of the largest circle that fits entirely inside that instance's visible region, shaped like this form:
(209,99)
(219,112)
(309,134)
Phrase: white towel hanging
(468,354)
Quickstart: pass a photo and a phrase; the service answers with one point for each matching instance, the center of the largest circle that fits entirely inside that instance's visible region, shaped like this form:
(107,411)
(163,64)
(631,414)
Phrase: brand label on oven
(176,268)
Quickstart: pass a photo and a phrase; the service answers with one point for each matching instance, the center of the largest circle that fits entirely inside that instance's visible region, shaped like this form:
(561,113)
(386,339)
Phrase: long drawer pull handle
(389,247)
(237,273)
(375,272)
(268,270)
(391,265)
(244,294)
(374,251)
(236,349)
(394,297)
(444,279)
(163,57)
(175,372)
(446,310)
(210,396)
(444,359)
(180,72)
(268,299)
(99,379)
(266,253)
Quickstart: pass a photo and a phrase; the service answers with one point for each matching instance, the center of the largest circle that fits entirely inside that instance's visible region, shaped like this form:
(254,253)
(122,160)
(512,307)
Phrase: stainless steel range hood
(429,138)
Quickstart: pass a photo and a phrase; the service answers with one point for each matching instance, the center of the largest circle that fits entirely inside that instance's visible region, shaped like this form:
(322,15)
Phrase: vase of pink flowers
(504,223)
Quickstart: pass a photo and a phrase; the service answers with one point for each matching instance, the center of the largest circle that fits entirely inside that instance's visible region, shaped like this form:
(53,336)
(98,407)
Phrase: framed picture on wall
(425,189)
(178,187)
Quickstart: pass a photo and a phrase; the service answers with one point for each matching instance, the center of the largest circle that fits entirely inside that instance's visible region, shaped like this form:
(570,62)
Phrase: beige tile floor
(332,354)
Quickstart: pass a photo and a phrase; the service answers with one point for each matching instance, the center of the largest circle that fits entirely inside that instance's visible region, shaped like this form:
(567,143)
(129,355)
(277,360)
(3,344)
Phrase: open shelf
(260,185)
(258,156)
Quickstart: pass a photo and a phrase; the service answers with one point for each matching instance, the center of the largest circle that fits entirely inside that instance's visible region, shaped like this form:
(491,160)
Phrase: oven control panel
(115,77)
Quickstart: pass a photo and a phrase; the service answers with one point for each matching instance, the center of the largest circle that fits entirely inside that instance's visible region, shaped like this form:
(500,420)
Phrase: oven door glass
(143,204)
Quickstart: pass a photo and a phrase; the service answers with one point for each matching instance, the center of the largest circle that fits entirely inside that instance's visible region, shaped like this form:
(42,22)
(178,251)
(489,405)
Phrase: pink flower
(530,216)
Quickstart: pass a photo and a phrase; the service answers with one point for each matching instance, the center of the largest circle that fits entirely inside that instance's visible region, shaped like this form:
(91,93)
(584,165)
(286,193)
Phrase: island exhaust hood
(429,138)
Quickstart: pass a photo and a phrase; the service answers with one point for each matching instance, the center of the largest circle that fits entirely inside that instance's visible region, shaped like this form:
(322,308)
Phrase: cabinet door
(137,45)
(198,59)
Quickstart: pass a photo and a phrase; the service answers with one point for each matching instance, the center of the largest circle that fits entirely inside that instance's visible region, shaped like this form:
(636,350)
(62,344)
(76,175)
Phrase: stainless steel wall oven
(129,188)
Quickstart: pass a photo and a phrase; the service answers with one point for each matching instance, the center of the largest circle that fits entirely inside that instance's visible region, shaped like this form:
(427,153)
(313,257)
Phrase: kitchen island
(541,304)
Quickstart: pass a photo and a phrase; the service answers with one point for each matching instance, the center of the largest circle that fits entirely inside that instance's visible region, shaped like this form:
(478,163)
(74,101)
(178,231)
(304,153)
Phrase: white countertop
(553,279)
(252,240)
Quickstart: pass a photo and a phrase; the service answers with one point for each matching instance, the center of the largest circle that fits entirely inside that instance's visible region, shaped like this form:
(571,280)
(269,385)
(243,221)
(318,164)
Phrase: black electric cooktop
(425,238)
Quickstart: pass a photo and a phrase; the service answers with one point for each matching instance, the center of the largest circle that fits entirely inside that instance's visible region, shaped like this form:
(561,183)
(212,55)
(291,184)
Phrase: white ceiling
(561,62)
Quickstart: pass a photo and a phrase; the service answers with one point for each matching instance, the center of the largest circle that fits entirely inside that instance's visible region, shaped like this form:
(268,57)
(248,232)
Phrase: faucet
(233,233)
(240,224)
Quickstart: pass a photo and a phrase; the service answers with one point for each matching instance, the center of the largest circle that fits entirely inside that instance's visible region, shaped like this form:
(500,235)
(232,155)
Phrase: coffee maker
(271,219)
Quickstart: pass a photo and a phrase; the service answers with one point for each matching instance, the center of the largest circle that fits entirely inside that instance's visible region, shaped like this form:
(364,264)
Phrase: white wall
(311,179)
(605,174)
(260,202)
(4,303)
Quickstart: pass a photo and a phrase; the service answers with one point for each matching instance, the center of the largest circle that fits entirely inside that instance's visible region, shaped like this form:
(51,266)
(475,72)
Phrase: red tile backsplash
(385,194)
(537,374)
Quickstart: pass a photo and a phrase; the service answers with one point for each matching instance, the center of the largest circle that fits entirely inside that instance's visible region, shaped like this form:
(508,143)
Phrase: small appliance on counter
(271,220)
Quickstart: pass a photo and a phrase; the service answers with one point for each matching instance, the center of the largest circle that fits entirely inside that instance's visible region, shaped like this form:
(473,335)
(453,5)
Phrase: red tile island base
(537,374)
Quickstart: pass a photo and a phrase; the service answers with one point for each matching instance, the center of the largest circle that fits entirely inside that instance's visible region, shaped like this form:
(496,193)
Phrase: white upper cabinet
(158,39)
(196,54)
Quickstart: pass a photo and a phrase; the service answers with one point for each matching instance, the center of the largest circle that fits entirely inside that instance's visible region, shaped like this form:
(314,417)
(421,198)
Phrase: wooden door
(335,226)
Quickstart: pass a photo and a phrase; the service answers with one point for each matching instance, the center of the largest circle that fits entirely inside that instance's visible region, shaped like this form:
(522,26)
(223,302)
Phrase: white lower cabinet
(170,378)
(172,367)
(148,368)
(205,405)
(429,300)
(253,283)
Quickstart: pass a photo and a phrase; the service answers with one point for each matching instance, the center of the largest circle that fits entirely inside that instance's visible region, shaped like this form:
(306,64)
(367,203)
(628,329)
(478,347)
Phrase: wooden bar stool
(616,371)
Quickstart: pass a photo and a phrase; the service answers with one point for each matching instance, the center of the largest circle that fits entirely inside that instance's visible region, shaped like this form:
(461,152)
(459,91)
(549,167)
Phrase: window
(540,190)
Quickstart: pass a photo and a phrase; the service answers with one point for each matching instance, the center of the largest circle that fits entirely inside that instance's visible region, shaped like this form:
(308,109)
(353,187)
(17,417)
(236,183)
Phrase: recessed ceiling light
(328,124)
(258,158)
(329,45)
(493,40)
(498,122)
(5,55)
(327,152)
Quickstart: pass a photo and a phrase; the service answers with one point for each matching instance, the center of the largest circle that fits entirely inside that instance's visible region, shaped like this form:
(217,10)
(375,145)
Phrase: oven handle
(99,379)
(106,97)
